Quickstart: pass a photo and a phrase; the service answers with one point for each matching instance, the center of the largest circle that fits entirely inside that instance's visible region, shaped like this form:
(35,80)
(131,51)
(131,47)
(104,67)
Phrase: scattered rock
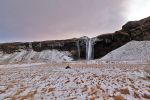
(68,67)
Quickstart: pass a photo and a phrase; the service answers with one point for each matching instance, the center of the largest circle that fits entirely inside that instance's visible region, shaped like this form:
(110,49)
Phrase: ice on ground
(81,82)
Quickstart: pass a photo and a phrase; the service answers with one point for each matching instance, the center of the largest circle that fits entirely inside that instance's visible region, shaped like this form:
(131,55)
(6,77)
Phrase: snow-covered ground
(28,56)
(82,82)
(137,51)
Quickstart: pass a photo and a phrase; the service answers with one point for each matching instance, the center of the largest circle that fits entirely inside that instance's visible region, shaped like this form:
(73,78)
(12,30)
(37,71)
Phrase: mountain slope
(134,50)
(32,56)
(132,30)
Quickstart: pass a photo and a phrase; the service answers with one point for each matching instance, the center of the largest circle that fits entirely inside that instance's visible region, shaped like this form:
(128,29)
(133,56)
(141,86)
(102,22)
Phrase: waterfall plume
(89,48)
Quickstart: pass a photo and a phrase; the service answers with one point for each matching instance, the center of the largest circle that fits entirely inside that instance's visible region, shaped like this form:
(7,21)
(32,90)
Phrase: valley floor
(80,82)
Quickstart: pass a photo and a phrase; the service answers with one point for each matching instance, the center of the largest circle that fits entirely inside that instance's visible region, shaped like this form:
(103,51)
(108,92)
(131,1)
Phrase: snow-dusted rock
(32,56)
(132,51)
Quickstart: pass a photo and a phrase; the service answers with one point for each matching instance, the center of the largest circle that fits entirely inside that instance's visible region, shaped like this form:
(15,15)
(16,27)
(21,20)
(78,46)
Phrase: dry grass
(29,96)
(2,91)
(14,97)
(48,90)
(93,85)
(124,91)
(146,96)
(136,95)
(119,97)
(147,71)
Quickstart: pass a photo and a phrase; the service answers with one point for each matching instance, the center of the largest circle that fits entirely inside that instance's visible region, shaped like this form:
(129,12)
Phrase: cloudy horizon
(36,20)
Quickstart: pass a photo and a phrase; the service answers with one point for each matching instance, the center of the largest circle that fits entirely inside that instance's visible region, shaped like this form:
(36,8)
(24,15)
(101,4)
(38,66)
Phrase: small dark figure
(68,67)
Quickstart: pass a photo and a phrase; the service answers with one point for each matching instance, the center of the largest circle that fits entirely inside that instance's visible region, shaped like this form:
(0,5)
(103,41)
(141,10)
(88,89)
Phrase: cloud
(138,9)
(30,20)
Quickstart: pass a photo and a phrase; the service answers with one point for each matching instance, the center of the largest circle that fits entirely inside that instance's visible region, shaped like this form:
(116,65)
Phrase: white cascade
(89,49)
(30,45)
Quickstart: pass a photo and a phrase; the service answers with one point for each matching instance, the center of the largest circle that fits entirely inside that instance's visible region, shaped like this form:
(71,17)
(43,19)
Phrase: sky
(38,20)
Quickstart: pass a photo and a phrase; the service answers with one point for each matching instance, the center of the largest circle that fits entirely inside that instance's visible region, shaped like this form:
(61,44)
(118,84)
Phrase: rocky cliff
(103,44)
(133,30)
(75,46)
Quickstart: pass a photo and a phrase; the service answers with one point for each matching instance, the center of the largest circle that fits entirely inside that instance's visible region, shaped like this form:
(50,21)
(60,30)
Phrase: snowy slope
(134,50)
(32,56)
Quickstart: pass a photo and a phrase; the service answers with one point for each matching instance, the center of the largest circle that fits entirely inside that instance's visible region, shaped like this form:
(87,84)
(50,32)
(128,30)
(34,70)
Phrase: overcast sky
(35,20)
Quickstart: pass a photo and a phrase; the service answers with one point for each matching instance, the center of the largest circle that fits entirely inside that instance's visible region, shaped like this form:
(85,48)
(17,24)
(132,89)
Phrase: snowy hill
(134,50)
(33,56)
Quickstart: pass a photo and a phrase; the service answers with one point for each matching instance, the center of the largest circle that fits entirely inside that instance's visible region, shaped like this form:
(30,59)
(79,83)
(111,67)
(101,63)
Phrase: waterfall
(40,45)
(89,49)
(30,45)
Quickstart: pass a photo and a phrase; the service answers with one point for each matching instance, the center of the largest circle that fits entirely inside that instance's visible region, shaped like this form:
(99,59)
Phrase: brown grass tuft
(29,96)
(146,96)
(119,97)
(136,95)
(2,91)
(124,91)
(50,90)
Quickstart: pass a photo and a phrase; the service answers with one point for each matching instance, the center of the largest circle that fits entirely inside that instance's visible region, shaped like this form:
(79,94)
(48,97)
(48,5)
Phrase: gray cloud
(30,20)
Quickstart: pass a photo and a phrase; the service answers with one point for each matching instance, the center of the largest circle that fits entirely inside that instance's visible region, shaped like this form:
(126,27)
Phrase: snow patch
(32,56)
(137,51)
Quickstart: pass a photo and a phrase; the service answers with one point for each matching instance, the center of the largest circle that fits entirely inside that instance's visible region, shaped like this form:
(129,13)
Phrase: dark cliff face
(108,42)
(75,46)
(138,30)
(133,30)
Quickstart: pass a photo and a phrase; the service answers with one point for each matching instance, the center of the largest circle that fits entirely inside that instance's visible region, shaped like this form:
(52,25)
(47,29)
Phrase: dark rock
(108,42)
(61,45)
(133,30)
(68,67)
(138,30)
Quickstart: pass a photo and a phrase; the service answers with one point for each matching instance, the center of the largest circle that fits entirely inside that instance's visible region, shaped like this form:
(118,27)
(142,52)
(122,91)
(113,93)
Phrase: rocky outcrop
(103,44)
(108,42)
(133,30)
(138,30)
(76,46)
